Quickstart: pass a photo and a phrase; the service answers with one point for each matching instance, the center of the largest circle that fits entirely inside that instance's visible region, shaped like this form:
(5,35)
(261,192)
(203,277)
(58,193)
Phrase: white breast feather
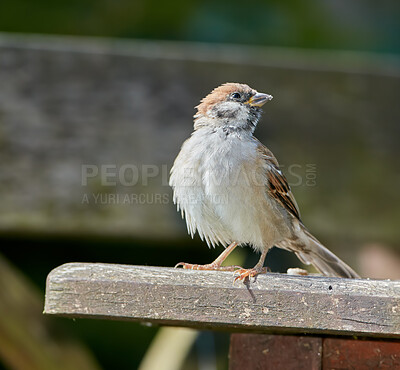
(216,182)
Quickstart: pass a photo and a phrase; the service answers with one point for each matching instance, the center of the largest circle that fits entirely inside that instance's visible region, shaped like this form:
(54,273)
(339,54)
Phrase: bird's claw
(242,273)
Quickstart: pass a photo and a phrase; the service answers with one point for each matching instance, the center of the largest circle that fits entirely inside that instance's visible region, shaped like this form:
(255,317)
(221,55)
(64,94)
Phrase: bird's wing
(277,185)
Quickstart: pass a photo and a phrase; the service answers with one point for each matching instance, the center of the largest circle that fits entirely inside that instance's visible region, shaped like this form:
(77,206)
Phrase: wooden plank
(360,354)
(203,299)
(260,351)
(263,351)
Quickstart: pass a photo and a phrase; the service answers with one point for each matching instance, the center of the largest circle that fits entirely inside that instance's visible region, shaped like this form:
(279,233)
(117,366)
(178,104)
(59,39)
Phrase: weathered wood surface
(70,102)
(360,354)
(287,352)
(202,299)
(274,352)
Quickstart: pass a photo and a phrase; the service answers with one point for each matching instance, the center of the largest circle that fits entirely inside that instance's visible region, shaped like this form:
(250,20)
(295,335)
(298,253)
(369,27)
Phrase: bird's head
(231,106)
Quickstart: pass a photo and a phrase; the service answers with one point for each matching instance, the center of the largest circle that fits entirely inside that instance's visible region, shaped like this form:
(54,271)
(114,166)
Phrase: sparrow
(229,188)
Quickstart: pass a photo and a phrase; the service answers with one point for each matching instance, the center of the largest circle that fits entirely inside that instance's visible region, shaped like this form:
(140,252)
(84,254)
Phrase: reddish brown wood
(261,351)
(360,354)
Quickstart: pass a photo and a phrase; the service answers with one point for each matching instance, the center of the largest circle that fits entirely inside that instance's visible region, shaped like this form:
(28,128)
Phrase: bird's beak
(259,99)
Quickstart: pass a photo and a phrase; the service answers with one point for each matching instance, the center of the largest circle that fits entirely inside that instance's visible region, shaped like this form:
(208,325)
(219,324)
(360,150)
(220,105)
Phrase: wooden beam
(261,351)
(275,303)
(360,354)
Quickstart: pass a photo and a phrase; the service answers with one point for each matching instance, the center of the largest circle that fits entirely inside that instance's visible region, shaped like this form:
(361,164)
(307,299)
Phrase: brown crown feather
(219,94)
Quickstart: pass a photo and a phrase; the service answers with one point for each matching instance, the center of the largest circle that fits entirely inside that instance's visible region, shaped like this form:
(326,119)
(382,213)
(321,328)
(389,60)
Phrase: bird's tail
(313,252)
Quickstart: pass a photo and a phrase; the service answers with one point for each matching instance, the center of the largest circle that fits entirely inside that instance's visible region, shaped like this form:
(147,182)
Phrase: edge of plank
(207,299)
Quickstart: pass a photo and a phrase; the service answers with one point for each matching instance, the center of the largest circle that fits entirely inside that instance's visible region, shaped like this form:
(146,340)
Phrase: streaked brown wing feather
(278,186)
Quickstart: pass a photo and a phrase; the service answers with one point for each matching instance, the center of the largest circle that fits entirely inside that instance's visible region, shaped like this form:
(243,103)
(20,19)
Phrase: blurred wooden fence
(89,129)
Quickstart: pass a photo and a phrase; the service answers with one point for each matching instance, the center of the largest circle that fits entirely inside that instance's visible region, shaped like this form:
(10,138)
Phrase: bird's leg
(257,269)
(216,265)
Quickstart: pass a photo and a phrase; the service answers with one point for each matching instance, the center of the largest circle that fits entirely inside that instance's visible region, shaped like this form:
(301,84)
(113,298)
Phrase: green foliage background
(331,24)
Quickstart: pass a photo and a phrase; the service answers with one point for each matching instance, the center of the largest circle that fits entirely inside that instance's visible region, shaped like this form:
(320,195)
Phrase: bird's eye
(236,95)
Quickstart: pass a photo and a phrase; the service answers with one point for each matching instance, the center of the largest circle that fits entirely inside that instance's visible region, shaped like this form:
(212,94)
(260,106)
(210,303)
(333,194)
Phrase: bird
(229,188)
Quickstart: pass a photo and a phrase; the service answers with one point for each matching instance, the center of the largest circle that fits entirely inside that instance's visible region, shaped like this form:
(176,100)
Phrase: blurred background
(96,98)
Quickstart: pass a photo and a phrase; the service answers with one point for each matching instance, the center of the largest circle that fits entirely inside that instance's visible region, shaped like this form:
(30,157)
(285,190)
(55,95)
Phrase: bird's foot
(242,273)
(209,266)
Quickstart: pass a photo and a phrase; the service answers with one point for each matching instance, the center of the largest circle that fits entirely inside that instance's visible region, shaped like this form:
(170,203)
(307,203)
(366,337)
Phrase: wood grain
(360,354)
(297,352)
(206,299)
(272,352)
